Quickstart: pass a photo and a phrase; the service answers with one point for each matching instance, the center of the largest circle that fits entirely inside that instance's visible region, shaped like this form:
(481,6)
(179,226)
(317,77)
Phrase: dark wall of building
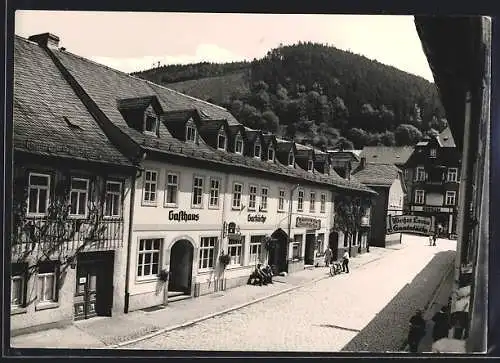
(378,217)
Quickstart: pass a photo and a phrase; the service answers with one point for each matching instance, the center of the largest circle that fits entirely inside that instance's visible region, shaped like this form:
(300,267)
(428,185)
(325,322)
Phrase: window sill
(17,310)
(146,204)
(170,206)
(214,207)
(281,211)
(206,271)
(197,206)
(46,305)
(146,280)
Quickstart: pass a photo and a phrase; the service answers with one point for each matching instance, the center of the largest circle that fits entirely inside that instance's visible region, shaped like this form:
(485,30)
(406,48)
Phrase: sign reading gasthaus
(409,224)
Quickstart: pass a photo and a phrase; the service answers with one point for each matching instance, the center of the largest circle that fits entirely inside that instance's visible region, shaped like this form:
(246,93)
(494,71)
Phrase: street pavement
(322,317)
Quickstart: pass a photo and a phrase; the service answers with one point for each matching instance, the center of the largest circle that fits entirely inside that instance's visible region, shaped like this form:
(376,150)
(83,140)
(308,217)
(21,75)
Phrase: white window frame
(405,172)
(191,126)
(255,146)
(204,254)
(150,183)
(310,166)
(78,192)
(451,194)
(281,200)
(113,194)
(236,246)
(291,158)
(155,124)
(455,173)
(322,208)
(21,298)
(418,174)
(43,277)
(252,197)
(150,252)
(214,194)
(418,193)
(38,188)
(237,198)
(256,243)
(264,199)
(238,140)
(221,133)
(300,200)
(270,149)
(168,184)
(198,187)
(312,202)
(433,153)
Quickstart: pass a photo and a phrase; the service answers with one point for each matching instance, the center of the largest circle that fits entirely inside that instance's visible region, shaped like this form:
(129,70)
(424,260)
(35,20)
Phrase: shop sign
(306,222)
(409,224)
(182,216)
(256,218)
(432,209)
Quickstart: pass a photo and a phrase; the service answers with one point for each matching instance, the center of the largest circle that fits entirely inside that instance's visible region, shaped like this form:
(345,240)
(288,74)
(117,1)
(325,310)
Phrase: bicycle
(335,268)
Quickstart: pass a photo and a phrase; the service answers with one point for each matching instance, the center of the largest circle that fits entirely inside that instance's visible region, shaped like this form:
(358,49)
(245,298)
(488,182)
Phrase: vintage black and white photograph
(250,182)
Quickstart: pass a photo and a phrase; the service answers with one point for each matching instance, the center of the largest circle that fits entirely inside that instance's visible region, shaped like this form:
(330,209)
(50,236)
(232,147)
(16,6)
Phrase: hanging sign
(307,222)
(409,224)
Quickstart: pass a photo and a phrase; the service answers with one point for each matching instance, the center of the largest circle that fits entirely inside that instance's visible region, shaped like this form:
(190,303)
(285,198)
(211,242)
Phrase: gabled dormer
(322,162)
(255,143)
(305,157)
(142,113)
(215,133)
(269,150)
(285,152)
(237,139)
(183,124)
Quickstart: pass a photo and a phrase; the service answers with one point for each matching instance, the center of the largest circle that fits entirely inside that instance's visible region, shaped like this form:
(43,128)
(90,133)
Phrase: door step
(178,298)
(175,293)
(308,267)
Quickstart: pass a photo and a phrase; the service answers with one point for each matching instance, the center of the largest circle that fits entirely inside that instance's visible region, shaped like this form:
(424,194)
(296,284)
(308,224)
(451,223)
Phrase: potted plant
(163,275)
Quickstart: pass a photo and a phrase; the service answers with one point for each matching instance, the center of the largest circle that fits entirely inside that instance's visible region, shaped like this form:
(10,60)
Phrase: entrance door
(333,242)
(94,286)
(278,255)
(181,267)
(309,252)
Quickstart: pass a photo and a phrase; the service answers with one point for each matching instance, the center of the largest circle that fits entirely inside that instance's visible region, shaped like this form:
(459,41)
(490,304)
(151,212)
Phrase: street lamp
(290,203)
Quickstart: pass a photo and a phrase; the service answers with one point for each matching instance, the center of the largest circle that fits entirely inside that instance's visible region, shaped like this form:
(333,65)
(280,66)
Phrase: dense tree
(407,135)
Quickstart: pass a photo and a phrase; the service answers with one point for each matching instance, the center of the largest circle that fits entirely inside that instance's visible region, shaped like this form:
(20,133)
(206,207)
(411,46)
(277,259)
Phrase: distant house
(387,181)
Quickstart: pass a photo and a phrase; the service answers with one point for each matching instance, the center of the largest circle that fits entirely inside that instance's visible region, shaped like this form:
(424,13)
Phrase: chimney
(45,40)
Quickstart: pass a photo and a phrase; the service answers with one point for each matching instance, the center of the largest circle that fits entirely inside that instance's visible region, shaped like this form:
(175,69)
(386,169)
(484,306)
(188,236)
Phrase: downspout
(223,231)
(290,204)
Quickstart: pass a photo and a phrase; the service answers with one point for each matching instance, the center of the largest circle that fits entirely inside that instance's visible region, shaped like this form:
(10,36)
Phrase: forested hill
(315,94)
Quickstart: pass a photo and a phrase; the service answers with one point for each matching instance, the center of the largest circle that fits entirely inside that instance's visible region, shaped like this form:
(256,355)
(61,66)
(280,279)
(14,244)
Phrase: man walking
(431,239)
(345,262)
(328,256)
(441,325)
(434,239)
(417,331)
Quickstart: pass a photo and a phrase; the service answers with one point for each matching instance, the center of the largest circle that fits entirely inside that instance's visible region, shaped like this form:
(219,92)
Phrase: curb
(225,311)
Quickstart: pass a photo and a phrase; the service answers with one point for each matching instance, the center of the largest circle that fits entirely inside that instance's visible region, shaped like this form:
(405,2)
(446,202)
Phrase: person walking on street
(328,256)
(431,239)
(417,331)
(434,238)
(441,324)
(345,262)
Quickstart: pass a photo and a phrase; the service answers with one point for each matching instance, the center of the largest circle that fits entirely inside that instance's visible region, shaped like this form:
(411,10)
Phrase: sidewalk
(116,331)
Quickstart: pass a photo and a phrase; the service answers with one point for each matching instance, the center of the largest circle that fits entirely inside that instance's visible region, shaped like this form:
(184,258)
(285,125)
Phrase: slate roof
(446,139)
(49,119)
(375,174)
(105,86)
(397,155)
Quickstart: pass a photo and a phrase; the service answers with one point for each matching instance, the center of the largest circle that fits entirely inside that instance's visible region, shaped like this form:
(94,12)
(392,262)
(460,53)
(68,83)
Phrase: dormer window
(221,139)
(291,159)
(270,154)
(256,149)
(191,134)
(238,144)
(310,166)
(150,124)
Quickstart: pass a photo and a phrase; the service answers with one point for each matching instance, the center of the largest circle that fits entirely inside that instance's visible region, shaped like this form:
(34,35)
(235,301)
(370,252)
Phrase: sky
(131,42)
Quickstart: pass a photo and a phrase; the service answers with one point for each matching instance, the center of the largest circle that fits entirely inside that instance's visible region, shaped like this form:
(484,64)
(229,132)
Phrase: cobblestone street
(324,316)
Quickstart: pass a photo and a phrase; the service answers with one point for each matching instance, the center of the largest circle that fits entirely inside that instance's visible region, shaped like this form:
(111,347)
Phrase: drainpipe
(290,203)
(129,242)
(224,224)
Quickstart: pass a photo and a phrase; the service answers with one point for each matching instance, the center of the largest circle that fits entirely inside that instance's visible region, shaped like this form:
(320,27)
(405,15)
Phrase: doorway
(309,250)
(278,254)
(181,267)
(333,242)
(94,285)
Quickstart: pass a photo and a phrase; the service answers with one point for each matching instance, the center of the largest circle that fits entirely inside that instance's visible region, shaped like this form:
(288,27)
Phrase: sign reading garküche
(409,224)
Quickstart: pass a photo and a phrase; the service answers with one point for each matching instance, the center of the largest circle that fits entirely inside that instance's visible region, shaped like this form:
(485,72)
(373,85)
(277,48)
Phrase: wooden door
(86,291)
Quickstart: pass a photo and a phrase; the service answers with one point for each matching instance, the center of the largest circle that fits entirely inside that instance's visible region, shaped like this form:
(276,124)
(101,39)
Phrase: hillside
(316,94)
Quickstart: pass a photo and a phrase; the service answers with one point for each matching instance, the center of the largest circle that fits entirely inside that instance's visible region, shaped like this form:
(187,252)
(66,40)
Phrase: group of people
(262,275)
(418,327)
(329,259)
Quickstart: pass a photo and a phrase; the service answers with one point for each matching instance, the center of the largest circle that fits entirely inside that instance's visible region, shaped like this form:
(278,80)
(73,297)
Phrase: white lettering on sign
(306,222)
(409,224)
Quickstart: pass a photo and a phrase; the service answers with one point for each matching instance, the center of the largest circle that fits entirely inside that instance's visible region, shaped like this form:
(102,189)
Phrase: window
(18,285)
(150,124)
(237,189)
(234,249)
(38,194)
(310,165)
(450,197)
(252,197)
(432,153)
(291,158)
(197,192)
(270,154)
(171,189)
(322,207)
(406,173)
(452,175)
(112,200)
(257,149)
(46,282)
(263,198)
(281,201)
(312,202)
(191,134)
(207,253)
(419,196)
(214,192)
(150,183)
(297,246)
(420,175)
(148,258)
(238,144)
(221,139)
(300,201)
(255,249)
(78,197)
